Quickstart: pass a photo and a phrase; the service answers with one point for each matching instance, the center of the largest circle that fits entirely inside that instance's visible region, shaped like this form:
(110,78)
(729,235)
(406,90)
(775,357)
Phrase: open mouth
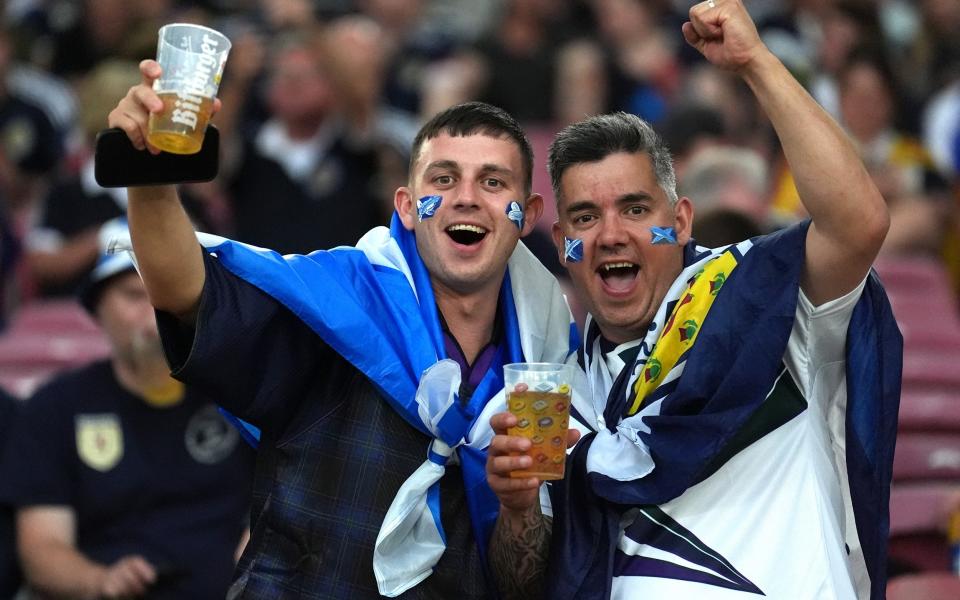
(466,235)
(619,276)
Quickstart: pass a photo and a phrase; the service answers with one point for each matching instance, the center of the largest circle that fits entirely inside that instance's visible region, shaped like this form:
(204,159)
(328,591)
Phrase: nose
(466,196)
(612,233)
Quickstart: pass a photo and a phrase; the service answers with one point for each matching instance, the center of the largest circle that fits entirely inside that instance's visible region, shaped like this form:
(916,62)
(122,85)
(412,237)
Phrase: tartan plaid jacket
(332,452)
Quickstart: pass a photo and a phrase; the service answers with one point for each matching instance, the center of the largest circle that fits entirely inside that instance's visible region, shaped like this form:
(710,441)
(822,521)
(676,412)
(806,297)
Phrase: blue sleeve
(248,352)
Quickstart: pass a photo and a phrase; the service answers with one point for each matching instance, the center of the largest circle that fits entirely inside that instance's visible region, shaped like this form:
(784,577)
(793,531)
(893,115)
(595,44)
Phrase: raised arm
(850,218)
(168,254)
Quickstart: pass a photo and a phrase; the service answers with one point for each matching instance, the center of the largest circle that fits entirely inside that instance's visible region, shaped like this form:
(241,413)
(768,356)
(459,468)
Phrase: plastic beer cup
(539,395)
(192,58)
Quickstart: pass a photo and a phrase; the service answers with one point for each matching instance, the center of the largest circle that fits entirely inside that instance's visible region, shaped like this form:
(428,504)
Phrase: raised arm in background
(850,218)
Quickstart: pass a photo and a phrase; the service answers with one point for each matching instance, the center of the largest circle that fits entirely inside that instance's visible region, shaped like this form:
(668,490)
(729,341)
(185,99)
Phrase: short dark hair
(595,138)
(471,118)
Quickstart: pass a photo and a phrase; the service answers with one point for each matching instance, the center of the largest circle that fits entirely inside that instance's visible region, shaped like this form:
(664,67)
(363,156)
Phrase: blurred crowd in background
(321,99)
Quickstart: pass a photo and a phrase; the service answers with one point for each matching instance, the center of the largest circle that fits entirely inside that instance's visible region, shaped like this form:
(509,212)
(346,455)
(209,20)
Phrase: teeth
(472,228)
(619,265)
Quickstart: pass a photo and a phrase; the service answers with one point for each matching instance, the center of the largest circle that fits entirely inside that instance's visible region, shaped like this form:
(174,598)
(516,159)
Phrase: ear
(532,210)
(558,241)
(404,203)
(683,220)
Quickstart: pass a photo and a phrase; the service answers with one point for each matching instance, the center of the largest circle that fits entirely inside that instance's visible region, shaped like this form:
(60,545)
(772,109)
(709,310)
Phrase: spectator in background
(412,43)
(30,144)
(643,73)
(519,59)
(901,167)
(125,482)
(687,129)
(303,180)
(727,185)
(61,241)
(9,566)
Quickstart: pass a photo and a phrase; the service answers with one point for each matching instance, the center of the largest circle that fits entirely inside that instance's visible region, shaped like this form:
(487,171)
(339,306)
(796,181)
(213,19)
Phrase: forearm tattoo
(518,555)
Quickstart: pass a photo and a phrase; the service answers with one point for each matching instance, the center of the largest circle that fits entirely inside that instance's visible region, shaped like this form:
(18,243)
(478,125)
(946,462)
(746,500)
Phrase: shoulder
(73,388)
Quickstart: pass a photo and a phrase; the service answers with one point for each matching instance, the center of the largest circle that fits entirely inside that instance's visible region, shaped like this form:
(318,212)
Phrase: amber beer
(192,58)
(180,126)
(543,417)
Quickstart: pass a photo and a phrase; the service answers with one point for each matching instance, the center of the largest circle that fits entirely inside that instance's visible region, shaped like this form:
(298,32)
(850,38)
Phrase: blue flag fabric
(374,305)
(728,374)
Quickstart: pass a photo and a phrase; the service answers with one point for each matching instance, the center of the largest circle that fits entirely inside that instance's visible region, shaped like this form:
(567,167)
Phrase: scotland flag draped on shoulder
(374,305)
(705,373)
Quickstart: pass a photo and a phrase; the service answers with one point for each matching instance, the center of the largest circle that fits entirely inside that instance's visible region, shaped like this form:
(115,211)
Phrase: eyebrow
(630,198)
(495,168)
(443,164)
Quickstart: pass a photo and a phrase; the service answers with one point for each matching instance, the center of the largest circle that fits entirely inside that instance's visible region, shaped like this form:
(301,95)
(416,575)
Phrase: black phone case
(118,164)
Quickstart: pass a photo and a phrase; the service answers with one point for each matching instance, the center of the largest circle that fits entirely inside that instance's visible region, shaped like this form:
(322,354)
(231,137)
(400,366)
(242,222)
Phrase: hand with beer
(170,109)
(532,438)
(133,112)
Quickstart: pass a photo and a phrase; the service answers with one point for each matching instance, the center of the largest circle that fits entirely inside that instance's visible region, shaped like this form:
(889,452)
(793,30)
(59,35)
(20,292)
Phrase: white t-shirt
(776,518)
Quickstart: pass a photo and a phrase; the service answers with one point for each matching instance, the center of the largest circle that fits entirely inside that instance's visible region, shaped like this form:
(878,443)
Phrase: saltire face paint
(515,214)
(572,249)
(663,235)
(427,207)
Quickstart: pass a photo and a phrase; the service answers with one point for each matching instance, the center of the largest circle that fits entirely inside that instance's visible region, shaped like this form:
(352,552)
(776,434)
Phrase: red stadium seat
(51,350)
(918,519)
(929,410)
(927,456)
(916,274)
(926,370)
(52,316)
(924,586)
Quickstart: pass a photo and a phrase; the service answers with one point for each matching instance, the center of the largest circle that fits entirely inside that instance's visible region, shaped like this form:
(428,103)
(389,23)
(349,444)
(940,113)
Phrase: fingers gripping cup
(539,395)
(192,58)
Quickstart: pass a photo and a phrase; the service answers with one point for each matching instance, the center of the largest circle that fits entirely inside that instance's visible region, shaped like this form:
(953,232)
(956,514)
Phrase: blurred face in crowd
(299,92)
(865,102)
(126,316)
(611,205)
(466,244)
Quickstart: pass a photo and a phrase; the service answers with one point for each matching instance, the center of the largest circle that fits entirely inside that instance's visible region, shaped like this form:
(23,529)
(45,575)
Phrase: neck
(150,381)
(469,318)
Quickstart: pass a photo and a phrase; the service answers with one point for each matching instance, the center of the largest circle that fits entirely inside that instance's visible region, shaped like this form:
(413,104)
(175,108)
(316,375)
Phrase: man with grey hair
(741,442)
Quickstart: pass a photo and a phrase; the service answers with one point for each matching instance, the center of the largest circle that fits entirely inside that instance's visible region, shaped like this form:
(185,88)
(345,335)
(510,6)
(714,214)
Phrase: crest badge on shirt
(209,438)
(99,440)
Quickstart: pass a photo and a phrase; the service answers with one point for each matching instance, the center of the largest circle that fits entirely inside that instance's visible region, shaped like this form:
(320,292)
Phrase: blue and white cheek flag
(374,305)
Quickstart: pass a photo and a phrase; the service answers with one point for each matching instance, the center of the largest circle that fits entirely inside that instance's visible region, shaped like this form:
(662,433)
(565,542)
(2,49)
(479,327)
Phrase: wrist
(95,582)
(759,66)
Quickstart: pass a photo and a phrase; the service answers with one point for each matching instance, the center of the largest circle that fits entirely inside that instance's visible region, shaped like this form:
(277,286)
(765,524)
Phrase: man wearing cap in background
(126,483)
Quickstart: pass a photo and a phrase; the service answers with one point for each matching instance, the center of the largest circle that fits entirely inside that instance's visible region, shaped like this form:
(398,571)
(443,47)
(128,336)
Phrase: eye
(583,219)
(637,210)
(493,183)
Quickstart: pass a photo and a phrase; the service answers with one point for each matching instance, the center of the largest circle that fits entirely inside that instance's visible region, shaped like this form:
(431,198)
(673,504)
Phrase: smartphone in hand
(118,164)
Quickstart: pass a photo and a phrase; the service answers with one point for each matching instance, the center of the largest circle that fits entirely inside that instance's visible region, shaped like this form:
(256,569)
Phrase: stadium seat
(51,350)
(918,519)
(932,370)
(914,275)
(924,586)
(927,457)
(52,316)
(929,410)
